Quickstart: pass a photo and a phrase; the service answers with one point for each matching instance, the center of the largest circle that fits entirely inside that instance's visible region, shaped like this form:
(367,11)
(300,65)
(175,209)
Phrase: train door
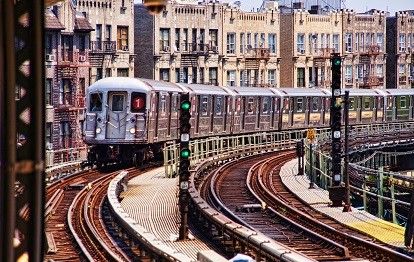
(410,113)
(197,115)
(258,111)
(213,108)
(242,113)
(272,111)
(157,110)
(116,116)
(375,109)
(291,111)
(307,106)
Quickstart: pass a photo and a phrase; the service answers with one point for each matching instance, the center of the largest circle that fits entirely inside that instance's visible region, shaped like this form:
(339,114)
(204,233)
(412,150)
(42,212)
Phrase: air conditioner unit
(82,58)
(49,146)
(50,58)
(125,48)
(166,49)
(402,49)
(215,48)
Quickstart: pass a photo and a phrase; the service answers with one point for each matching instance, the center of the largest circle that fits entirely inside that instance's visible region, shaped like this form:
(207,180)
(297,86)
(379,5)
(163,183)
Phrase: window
(98,36)
(316,102)
(301,44)
(201,38)
(242,43)
(403,102)
(271,77)
(272,43)
(213,75)
(48,44)
(242,80)
(64,135)
(201,71)
(108,33)
(162,104)
(67,48)
(213,37)
(356,42)
(249,41)
(174,105)
(219,105)
(165,74)
(82,42)
(98,73)
(348,42)
(336,43)
(95,104)
(286,104)
(231,43)
(401,69)
(164,39)
(122,72)
(322,40)
(402,43)
(194,40)
(231,77)
(177,75)
(380,40)
(65,92)
(380,70)
(185,39)
(367,103)
(351,103)
(250,106)
(328,41)
(194,76)
(177,40)
(117,103)
(204,106)
(301,77)
(48,97)
(122,38)
(362,42)
(265,105)
(348,74)
(299,104)
(48,135)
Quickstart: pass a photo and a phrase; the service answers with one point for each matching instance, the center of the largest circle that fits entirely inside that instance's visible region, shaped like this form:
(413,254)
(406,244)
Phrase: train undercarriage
(128,155)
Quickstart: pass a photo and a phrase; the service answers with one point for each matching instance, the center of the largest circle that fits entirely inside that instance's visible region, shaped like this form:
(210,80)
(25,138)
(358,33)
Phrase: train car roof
(132,84)
(362,92)
(398,91)
(252,91)
(302,91)
(205,89)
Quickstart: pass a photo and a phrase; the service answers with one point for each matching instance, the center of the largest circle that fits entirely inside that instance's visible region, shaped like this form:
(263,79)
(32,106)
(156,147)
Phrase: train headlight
(132,130)
(98,130)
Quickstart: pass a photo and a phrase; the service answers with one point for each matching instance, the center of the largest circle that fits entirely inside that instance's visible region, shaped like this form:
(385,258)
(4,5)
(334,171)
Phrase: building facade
(112,40)
(400,48)
(211,42)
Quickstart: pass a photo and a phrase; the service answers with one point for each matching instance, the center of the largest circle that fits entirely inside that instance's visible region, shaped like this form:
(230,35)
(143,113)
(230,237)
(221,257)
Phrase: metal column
(22,69)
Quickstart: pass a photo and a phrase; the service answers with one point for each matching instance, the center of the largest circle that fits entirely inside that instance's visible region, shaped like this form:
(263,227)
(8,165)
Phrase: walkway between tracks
(318,198)
(151,200)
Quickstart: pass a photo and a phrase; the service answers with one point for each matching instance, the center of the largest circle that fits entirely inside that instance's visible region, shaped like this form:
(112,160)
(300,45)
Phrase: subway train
(129,120)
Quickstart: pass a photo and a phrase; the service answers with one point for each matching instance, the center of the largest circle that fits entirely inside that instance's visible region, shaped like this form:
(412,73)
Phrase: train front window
(117,103)
(95,102)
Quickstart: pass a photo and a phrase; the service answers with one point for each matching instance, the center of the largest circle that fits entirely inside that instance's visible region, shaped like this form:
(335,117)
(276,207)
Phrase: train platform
(318,198)
(151,200)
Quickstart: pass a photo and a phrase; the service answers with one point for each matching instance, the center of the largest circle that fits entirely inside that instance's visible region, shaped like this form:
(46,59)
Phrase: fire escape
(71,102)
(368,58)
(102,54)
(190,54)
(320,58)
(252,60)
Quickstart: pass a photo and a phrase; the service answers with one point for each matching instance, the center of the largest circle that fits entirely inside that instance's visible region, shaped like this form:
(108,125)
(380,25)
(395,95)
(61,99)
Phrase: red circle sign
(138,103)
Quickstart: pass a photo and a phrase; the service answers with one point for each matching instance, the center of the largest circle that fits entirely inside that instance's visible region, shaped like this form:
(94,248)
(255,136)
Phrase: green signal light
(185,153)
(337,62)
(185,105)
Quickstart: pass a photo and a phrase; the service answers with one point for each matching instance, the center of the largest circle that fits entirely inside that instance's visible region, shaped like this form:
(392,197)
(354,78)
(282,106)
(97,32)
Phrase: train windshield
(95,102)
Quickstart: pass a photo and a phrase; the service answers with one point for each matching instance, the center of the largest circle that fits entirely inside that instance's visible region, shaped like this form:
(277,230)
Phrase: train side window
(265,105)
(367,103)
(117,103)
(96,102)
(174,101)
(250,106)
(403,102)
(204,106)
(315,104)
(389,104)
(351,103)
(287,104)
(162,104)
(218,105)
(299,104)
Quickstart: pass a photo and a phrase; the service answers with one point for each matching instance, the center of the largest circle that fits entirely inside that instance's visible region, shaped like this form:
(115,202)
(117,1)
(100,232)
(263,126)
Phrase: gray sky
(358,5)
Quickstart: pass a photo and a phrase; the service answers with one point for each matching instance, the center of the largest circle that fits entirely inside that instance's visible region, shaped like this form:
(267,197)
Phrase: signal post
(336,191)
(184,173)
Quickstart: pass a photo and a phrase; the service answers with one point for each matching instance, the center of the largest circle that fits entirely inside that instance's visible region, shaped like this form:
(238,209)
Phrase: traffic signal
(336,118)
(185,127)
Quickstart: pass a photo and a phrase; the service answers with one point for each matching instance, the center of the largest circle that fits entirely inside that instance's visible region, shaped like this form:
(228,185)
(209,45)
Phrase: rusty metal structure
(21,160)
